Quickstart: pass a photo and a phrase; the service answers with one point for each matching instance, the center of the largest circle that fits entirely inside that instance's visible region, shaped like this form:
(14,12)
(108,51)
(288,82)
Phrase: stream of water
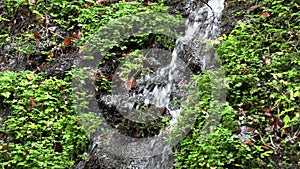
(192,52)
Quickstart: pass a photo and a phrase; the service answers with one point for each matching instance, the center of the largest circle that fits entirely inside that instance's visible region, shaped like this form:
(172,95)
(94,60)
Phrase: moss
(260,57)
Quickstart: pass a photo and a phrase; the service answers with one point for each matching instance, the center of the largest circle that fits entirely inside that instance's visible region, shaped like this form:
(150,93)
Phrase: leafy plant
(42,130)
(261,60)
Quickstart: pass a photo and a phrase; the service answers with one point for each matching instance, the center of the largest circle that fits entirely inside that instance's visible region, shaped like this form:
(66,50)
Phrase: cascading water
(120,151)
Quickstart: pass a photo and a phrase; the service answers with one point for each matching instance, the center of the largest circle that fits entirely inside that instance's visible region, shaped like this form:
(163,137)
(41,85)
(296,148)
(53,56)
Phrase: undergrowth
(42,130)
(260,126)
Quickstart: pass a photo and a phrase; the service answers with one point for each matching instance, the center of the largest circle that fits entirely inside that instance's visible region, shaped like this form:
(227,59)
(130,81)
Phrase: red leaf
(147,4)
(57,147)
(61,88)
(246,107)
(37,36)
(97,75)
(63,49)
(31,63)
(26,152)
(276,123)
(50,55)
(32,102)
(5,147)
(245,71)
(67,41)
(129,84)
(286,130)
(89,3)
(110,77)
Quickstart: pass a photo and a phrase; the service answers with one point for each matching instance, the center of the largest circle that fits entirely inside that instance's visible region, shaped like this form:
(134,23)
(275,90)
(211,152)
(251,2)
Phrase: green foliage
(56,20)
(42,130)
(216,149)
(261,60)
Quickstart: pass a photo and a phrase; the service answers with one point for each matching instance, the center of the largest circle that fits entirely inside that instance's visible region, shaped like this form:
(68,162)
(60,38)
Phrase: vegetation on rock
(260,126)
(260,57)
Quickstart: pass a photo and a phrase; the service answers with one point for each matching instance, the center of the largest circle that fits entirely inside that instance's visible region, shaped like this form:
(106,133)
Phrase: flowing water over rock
(155,92)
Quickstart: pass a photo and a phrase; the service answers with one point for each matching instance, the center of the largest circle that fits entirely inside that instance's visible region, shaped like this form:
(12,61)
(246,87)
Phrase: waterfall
(192,55)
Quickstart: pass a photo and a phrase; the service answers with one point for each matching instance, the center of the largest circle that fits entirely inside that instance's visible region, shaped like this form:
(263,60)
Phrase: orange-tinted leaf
(32,102)
(265,14)
(129,84)
(245,71)
(37,36)
(265,147)
(248,142)
(68,40)
(50,55)
(90,157)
